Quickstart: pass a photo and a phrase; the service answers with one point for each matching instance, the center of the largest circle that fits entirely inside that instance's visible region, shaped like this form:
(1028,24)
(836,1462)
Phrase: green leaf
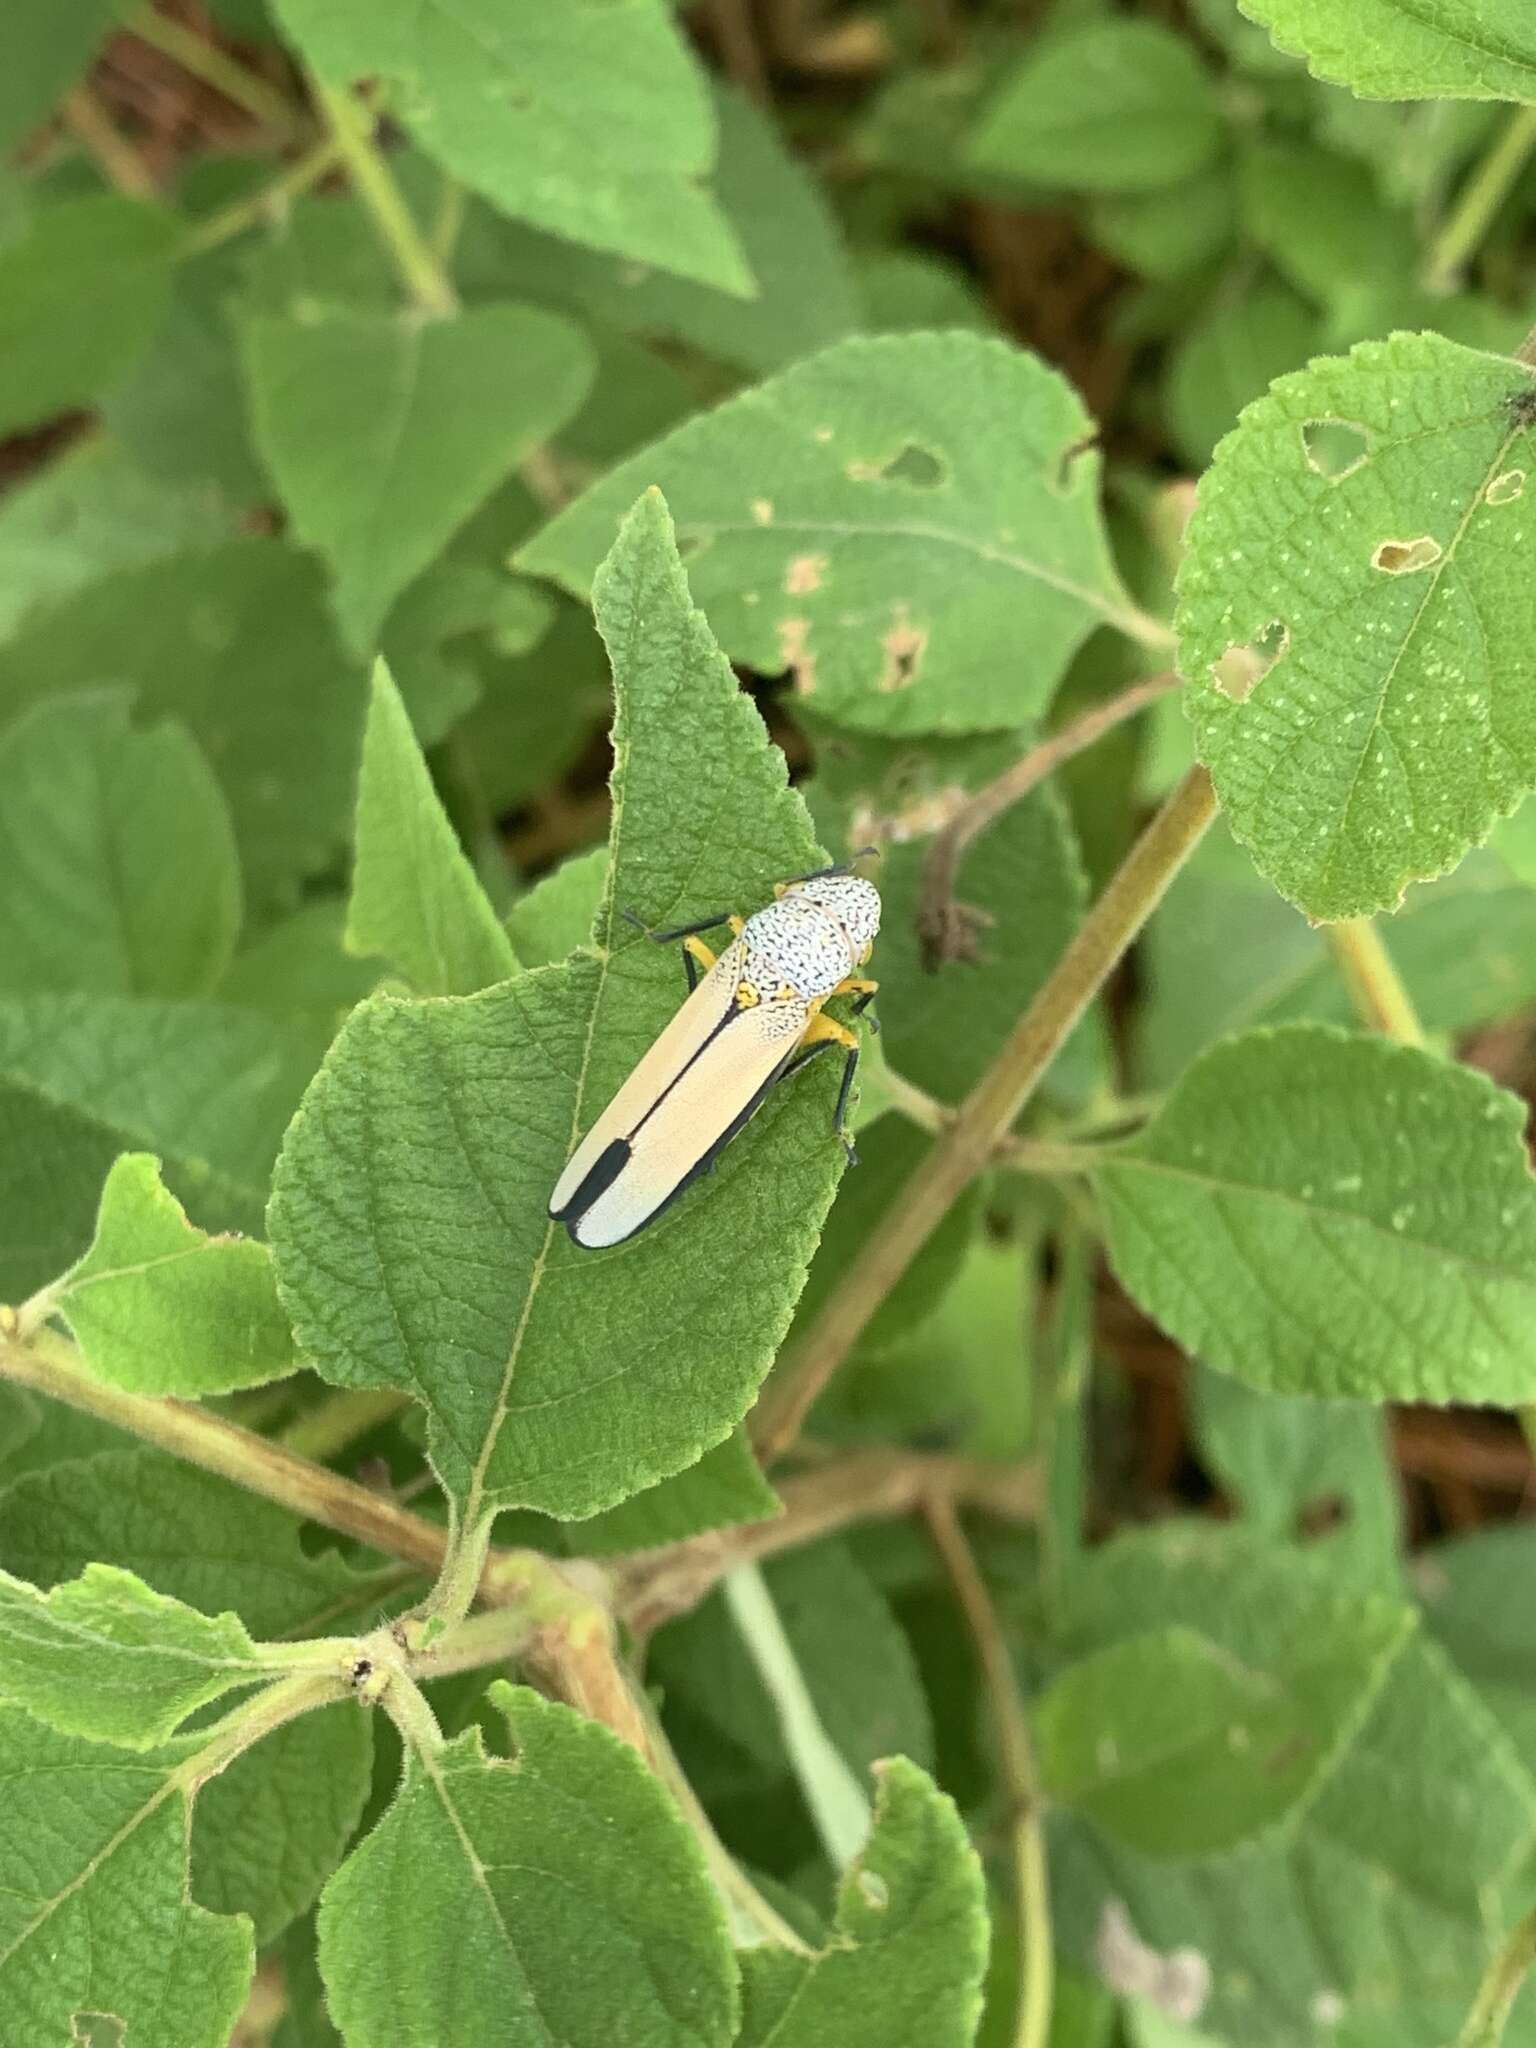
(1321,219)
(118,869)
(942,1029)
(1362,532)
(81,294)
(270,1830)
(558,913)
(194,1538)
(1229,356)
(537,712)
(158,1307)
(904,1965)
(1294,1463)
(591,121)
(1380,1904)
(1225,952)
(383,433)
(182,411)
(1179,1749)
(1172,231)
(559,1898)
(92,510)
(1109,106)
(305,2022)
(855,1662)
(961,1377)
(104,1657)
(415,898)
(409,1212)
(888,520)
(725,1487)
(47,48)
(1410,49)
(788,236)
(890,1149)
(207,1088)
(95,1914)
(1476,1591)
(1338,1216)
(236,643)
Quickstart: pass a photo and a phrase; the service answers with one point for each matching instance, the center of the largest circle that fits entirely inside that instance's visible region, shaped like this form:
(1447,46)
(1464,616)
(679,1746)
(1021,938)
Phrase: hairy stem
(1500,1987)
(942,924)
(1032,2022)
(1381,1000)
(351,125)
(1466,225)
(256,1718)
(205,61)
(49,1365)
(992,1107)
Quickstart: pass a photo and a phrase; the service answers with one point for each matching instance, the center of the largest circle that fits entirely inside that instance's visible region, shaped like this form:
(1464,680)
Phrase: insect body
(754,1018)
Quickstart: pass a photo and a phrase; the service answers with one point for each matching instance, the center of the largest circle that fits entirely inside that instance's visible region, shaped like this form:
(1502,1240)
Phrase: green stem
(327,1428)
(992,1108)
(406,1705)
(458,1583)
(420,272)
(85,116)
(1381,1000)
(206,61)
(1466,225)
(1500,1987)
(1032,2022)
(838,1806)
(256,207)
(258,1717)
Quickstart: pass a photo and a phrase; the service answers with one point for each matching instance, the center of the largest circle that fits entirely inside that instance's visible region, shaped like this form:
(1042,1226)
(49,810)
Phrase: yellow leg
(822,1027)
(695,945)
(856,985)
(738,925)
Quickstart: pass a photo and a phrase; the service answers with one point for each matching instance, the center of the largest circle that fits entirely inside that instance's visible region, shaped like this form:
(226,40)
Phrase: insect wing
(708,1102)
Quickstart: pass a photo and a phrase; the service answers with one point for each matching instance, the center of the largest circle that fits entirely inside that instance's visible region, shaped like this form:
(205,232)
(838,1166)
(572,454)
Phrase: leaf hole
(1335,448)
(1320,1517)
(1522,405)
(98,2030)
(919,468)
(1506,488)
(1238,670)
(904,646)
(1407,557)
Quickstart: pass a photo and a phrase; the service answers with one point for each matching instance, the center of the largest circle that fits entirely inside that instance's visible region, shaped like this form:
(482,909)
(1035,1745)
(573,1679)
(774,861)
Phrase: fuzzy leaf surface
(590,120)
(159,1307)
(1320,1214)
(1366,530)
(890,520)
(416,901)
(554,1901)
(383,433)
(409,1216)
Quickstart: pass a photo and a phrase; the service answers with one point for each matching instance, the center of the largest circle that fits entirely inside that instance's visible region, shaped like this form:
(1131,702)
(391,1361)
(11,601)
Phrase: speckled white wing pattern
(706,1008)
(713,1095)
